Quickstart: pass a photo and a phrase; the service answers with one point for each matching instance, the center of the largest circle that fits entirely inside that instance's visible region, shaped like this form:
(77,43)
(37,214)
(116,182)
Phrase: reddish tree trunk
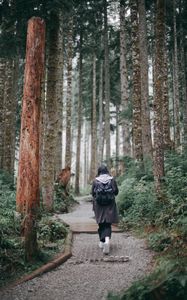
(27,198)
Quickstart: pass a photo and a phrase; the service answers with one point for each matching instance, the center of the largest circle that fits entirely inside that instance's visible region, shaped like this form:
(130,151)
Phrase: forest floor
(88,274)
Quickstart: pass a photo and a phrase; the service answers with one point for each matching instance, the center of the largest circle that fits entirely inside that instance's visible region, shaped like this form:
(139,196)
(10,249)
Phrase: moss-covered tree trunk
(175,83)
(107,85)
(10,104)
(124,80)
(69,94)
(165,110)
(93,166)
(117,139)
(158,157)
(79,123)
(183,75)
(100,131)
(2,80)
(27,197)
(145,111)
(59,93)
(136,92)
(51,117)
(86,151)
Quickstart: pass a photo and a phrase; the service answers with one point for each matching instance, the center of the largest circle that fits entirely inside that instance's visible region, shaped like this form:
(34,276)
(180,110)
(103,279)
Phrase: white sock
(106,247)
(107,239)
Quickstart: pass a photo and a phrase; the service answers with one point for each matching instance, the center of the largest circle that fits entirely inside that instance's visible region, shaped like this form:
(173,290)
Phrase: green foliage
(169,282)
(159,241)
(137,203)
(63,200)
(176,176)
(137,200)
(166,222)
(11,250)
(49,230)
(12,263)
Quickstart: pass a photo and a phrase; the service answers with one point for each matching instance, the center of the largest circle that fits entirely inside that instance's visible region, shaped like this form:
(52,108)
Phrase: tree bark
(69,94)
(93,166)
(10,104)
(2,85)
(77,172)
(107,86)
(158,157)
(183,77)
(51,118)
(124,81)
(185,100)
(117,139)
(59,92)
(136,93)
(165,111)
(27,197)
(100,132)
(86,149)
(145,111)
(176,83)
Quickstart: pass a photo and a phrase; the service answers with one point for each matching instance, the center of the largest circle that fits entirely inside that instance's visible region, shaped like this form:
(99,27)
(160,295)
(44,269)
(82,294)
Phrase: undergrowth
(50,235)
(164,223)
(64,200)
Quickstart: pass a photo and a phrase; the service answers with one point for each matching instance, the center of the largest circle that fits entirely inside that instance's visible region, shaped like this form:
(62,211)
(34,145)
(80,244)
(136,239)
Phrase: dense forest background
(113,90)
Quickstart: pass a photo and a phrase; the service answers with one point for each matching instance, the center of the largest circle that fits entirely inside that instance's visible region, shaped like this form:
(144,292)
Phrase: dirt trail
(88,274)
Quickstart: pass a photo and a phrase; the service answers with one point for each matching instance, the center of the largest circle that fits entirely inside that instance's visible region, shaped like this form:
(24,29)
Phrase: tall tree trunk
(107,86)
(185,100)
(145,111)
(51,125)
(27,197)
(100,137)
(124,80)
(69,94)
(165,111)
(136,93)
(158,157)
(183,77)
(85,152)
(176,83)
(117,139)
(93,166)
(10,116)
(42,122)
(77,172)
(59,92)
(2,85)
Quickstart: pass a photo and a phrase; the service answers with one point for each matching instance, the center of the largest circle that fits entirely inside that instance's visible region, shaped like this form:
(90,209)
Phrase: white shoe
(106,247)
(101,245)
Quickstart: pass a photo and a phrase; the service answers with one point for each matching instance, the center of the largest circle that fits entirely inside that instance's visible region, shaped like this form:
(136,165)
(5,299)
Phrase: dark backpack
(104,193)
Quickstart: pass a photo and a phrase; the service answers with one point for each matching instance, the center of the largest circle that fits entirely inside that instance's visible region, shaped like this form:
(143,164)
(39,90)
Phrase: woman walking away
(104,190)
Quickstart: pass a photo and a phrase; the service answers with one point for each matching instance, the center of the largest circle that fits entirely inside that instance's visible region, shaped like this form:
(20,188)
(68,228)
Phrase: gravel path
(88,274)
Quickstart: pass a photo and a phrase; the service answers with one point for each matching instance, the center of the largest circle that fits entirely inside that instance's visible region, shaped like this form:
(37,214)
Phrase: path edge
(52,264)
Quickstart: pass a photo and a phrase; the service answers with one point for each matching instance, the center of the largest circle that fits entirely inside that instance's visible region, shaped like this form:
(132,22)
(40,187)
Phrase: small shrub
(51,230)
(137,202)
(159,241)
(63,201)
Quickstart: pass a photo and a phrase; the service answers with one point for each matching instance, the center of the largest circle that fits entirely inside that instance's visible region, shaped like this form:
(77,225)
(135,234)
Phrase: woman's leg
(107,233)
(108,230)
(104,230)
(101,232)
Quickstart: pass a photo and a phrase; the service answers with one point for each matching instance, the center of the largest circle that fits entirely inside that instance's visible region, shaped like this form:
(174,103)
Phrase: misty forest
(85,83)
